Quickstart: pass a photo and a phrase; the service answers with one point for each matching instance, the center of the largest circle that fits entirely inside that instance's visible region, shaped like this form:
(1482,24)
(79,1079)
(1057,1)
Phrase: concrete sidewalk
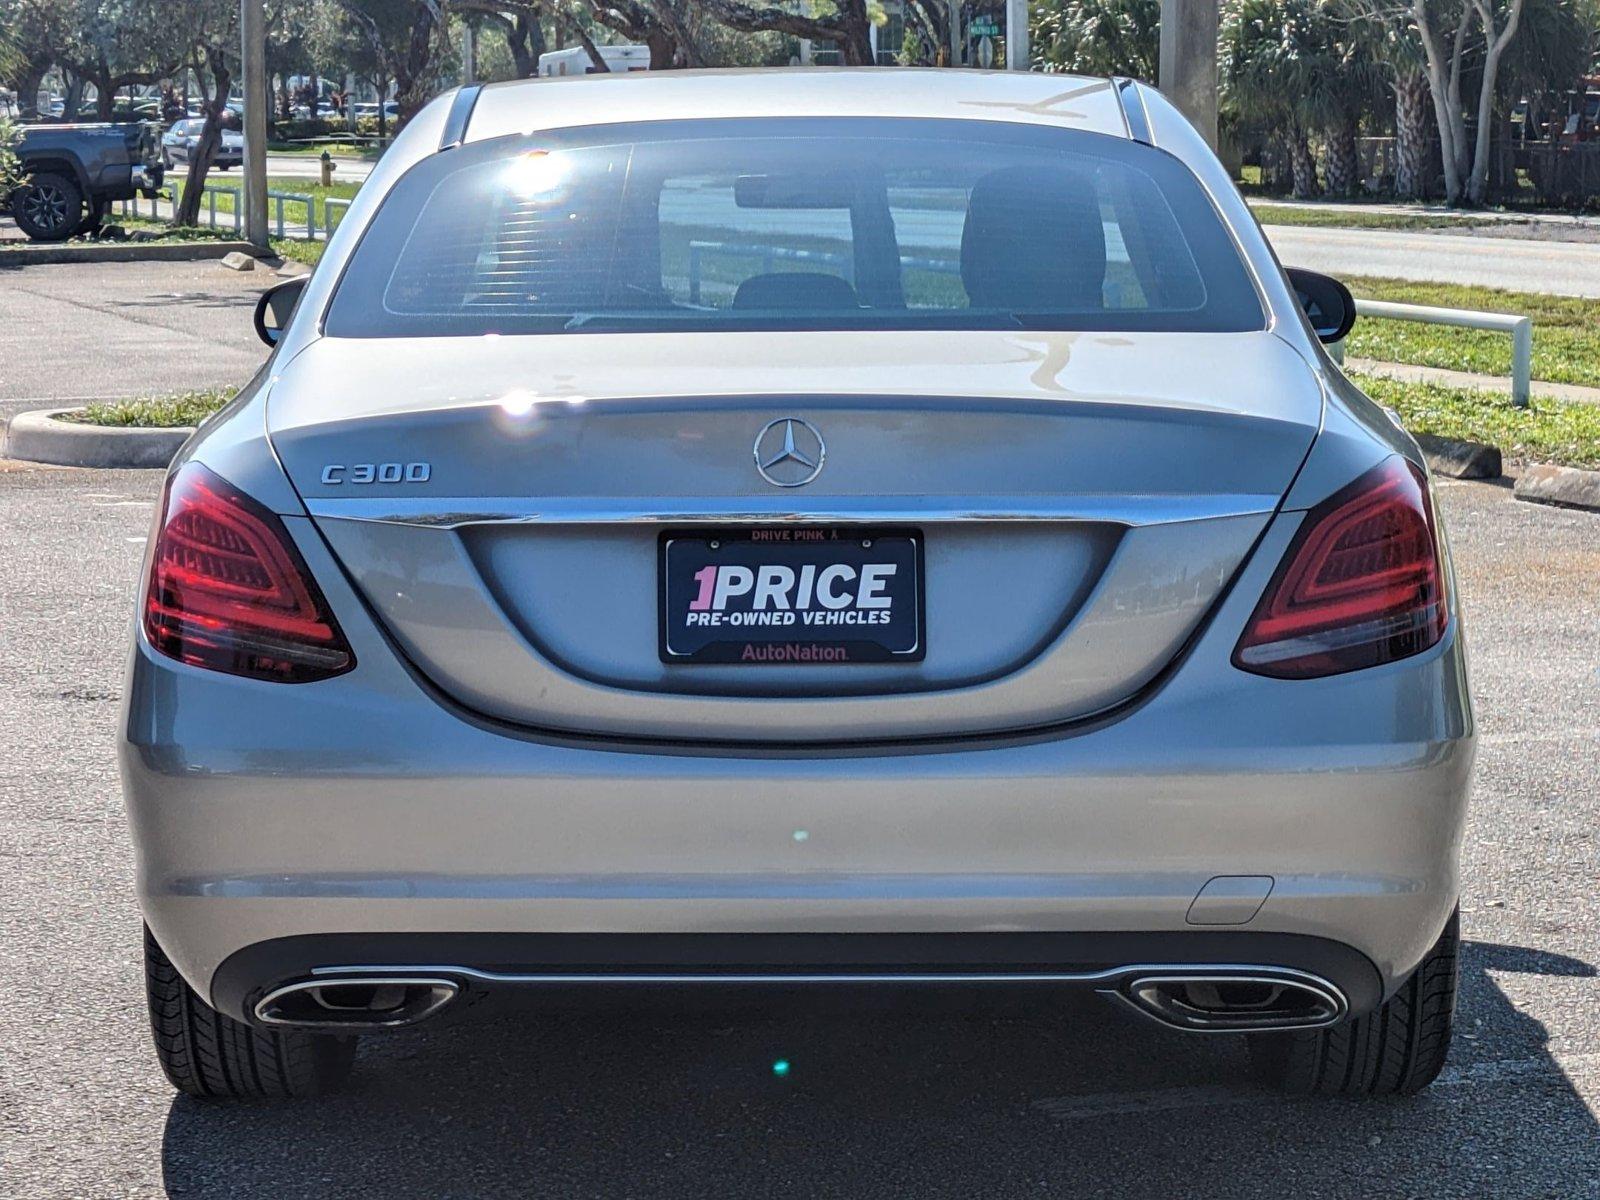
(1409,373)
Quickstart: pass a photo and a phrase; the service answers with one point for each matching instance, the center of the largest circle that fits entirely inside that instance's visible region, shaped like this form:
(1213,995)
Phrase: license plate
(792,596)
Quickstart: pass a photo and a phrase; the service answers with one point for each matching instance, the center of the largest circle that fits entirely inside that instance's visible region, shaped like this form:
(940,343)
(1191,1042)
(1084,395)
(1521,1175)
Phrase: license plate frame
(816,635)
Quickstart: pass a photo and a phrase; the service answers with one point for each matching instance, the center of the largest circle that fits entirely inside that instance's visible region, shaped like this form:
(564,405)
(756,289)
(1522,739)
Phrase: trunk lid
(1082,500)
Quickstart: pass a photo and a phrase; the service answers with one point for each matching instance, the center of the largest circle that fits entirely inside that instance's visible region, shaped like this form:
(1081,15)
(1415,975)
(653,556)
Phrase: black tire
(49,207)
(1396,1050)
(205,1053)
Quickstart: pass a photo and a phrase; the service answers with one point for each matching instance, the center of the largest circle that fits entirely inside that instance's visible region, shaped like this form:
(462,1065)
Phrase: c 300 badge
(335,474)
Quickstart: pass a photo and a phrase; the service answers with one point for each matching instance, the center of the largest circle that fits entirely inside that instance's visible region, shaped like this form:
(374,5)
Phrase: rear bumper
(504,967)
(364,806)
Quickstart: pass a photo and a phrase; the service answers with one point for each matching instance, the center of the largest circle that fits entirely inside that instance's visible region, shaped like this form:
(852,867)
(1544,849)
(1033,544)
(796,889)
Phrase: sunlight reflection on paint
(518,403)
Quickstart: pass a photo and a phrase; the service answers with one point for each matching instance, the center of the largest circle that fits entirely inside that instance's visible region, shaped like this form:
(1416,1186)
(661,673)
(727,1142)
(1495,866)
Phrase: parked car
(179,143)
(892,528)
(75,172)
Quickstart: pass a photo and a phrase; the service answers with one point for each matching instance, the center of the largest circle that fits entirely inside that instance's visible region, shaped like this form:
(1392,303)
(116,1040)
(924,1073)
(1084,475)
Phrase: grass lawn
(187,408)
(337,149)
(298,249)
(1566,331)
(1285,214)
(1548,431)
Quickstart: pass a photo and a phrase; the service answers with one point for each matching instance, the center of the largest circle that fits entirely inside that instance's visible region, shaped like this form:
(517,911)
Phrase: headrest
(795,289)
(1034,241)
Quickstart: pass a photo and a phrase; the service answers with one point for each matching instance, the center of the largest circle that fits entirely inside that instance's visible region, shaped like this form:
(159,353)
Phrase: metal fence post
(1522,363)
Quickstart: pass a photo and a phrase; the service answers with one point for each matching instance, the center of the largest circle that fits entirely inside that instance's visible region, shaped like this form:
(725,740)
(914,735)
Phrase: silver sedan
(886,529)
(182,140)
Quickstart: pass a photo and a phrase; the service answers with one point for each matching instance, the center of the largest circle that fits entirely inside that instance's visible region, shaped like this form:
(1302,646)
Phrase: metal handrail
(1519,327)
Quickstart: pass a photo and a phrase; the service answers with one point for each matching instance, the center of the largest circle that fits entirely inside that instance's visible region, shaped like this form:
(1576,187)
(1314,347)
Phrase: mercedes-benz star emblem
(789,452)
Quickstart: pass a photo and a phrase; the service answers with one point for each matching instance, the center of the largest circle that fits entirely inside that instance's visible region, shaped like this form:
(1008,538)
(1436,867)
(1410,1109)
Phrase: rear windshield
(795,224)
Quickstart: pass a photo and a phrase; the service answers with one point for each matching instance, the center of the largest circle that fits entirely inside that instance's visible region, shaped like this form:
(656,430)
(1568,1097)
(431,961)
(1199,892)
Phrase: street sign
(985,26)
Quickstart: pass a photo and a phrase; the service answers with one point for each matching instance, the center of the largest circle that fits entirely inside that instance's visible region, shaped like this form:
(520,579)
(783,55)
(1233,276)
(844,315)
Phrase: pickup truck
(72,173)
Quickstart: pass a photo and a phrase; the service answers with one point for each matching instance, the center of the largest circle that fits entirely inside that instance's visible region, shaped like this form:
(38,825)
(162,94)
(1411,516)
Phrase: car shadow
(896,1096)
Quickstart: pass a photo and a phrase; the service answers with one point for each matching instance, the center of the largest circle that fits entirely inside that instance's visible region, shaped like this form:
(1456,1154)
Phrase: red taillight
(1362,583)
(229,591)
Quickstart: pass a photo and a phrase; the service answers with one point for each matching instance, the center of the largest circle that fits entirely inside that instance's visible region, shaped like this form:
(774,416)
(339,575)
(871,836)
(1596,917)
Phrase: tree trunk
(597,62)
(1303,165)
(411,75)
(1411,147)
(1478,184)
(194,183)
(855,37)
(663,49)
(105,93)
(525,40)
(849,26)
(28,89)
(1343,170)
(1444,85)
(73,100)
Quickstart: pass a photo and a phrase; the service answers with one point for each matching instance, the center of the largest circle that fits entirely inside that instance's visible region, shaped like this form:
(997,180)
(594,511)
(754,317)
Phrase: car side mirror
(275,306)
(1328,303)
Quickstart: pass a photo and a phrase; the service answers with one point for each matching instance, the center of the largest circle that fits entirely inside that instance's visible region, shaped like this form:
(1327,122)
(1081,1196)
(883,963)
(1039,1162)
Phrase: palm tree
(1291,69)
(1265,78)
(1098,37)
(1347,84)
(1554,47)
(1395,45)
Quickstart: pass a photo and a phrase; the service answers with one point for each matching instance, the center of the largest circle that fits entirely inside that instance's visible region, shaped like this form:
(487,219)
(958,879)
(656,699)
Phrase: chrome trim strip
(1132,102)
(452,513)
(455,122)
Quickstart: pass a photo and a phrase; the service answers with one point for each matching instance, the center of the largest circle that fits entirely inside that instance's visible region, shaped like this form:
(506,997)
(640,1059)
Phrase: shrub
(293,131)
(10,165)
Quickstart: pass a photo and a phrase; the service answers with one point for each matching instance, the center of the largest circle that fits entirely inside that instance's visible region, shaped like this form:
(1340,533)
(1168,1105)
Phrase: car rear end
(610,609)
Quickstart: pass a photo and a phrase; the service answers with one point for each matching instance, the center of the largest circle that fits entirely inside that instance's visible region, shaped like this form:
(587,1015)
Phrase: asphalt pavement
(891,1099)
(94,331)
(1518,264)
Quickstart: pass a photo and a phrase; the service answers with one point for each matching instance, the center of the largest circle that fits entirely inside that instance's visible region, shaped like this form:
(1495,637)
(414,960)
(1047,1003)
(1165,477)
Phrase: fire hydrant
(327,169)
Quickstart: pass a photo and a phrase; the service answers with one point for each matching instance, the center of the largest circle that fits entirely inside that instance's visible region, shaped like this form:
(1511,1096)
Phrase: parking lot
(899,1097)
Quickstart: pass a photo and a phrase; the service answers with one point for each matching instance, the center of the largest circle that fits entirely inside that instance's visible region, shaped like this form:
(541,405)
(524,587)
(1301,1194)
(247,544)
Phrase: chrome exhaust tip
(1245,1000)
(354,1003)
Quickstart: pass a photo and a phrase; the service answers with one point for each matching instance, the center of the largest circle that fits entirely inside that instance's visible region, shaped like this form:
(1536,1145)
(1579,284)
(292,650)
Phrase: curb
(38,437)
(1564,487)
(39,256)
(1459,460)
